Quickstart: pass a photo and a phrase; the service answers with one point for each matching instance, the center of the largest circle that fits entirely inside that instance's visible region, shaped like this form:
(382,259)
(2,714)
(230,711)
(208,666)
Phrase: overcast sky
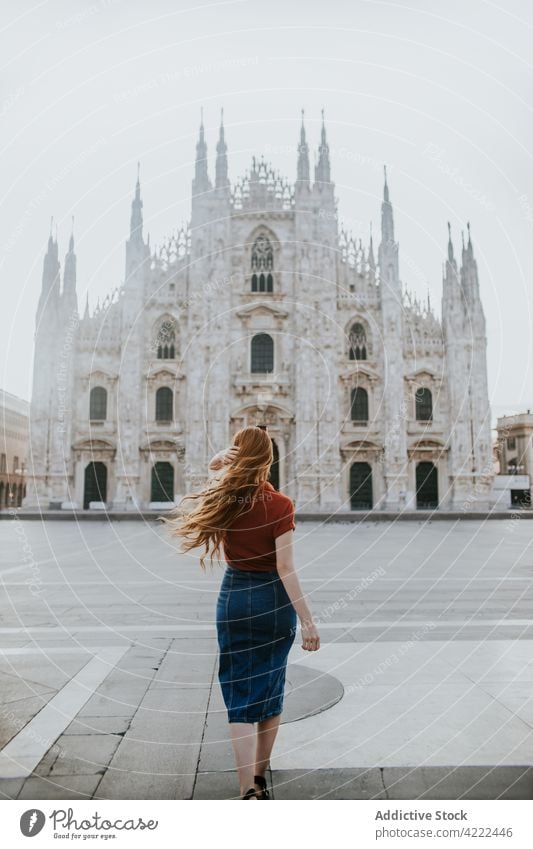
(441,90)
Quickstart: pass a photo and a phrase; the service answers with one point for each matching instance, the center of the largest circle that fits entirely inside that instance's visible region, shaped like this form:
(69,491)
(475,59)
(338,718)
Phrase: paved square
(422,689)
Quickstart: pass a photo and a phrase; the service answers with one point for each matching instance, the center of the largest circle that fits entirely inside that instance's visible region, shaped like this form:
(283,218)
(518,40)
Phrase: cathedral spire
(387,220)
(201,179)
(450,245)
(136,220)
(469,274)
(323,169)
(50,278)
(69,275)
(371,260)
(221,177)
(303,156)
(452,301)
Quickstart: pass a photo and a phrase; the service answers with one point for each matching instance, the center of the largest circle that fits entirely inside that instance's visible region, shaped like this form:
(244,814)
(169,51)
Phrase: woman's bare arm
(287,573)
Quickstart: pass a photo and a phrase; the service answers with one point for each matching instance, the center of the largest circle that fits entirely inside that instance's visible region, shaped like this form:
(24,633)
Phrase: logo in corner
(32,822)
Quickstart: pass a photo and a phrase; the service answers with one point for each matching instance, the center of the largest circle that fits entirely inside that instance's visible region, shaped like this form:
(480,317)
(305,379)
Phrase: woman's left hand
(310,635)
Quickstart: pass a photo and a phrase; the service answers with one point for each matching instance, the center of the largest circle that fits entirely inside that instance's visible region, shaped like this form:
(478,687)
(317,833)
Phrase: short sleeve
(285,520)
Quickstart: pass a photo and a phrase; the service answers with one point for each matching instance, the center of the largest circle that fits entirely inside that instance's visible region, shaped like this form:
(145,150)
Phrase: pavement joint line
(369,623)
(163,582)
(21,755)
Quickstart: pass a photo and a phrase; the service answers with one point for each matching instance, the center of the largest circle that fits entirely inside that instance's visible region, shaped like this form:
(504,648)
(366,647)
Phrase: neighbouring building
(13,449)
(262,310)
(512,486)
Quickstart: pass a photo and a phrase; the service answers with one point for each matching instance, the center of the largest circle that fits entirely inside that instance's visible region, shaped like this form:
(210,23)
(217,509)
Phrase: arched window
(359,405)
(424,404)
(358,345)
(262,265)
(98,404)
(166,340)
(164,404)
(262,353)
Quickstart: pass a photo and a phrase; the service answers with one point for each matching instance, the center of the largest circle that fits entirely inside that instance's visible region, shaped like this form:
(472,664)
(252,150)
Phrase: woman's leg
(267,730)
(243,738)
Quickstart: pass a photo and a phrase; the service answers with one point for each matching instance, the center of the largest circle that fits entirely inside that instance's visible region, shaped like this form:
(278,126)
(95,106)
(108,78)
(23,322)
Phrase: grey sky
(440,90)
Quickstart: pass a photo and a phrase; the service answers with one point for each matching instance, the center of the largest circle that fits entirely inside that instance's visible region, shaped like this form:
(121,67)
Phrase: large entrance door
(162,488)
(95,488)
(427,486)
(361,486)
(274,469)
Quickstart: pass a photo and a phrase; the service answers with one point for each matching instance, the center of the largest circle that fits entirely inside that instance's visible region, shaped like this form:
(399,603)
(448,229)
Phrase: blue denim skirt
(256,627)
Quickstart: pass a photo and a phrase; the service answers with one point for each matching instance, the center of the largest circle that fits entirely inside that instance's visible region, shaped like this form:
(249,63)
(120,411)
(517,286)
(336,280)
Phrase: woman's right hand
(310,635)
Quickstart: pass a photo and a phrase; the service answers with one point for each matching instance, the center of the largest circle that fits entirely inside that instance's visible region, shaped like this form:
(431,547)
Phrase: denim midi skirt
(256,627)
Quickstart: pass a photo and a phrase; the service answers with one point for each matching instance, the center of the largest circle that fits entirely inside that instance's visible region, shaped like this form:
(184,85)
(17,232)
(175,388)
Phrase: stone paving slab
(399,783)
(11,787)
(464,782)
(80,754)
(60,787)
(375,783)
(158,755)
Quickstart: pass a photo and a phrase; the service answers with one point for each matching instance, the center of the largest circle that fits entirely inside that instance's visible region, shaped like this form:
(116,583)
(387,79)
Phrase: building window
(358,344)
(424,404)
(15,464)
(166,340)
(262,265)
(262,353)
(164,404)
(3,467)
(427,486)
(512,466)
(162,484)
(98,404)
(511,443)
(359,405)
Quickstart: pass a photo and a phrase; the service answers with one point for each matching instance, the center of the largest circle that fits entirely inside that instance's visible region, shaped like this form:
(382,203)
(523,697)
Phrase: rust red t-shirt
(250,543)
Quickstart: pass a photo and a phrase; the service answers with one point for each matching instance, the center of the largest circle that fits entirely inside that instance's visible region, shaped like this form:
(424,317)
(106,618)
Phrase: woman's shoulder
(276,498)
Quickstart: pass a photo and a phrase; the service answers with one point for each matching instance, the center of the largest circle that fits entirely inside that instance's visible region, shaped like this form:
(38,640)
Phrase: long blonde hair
(224,499)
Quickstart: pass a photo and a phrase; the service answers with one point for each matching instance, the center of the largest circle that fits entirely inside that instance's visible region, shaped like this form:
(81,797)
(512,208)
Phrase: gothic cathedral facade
(261,311)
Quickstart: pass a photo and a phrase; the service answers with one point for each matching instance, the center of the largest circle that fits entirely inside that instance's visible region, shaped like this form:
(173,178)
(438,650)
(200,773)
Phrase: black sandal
(250,794)
(261,781)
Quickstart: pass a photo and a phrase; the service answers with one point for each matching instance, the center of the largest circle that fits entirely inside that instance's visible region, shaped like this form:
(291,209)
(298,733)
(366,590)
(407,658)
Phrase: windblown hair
(224,498)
